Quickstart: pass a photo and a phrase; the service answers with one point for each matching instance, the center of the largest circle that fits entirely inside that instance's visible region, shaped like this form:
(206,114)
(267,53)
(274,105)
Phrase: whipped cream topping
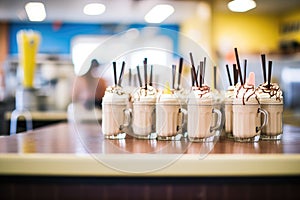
(200,95)
(217,96)
(116,94)
(230,92)
(143,95)
(182,94)
(115,90)
(272,93)
(168,98)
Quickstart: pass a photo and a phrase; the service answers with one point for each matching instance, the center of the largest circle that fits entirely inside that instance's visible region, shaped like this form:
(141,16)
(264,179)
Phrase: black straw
(180,71)
(139,76)
(228,74)
(201,73)
(269,73)
(235,74)
(245,70)
(198,71)
(145,72)
(192,77)
(173,75)
(238,65)
(115,72)
(151,79)
(204,66)
(239,74)
(121,74)
(215,77)
(130,77)
(263,62)
(193,70)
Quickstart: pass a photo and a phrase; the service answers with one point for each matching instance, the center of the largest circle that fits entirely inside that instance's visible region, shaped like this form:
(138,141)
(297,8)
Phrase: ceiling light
(159,13)
(241,5)
(94,9)
(35,11)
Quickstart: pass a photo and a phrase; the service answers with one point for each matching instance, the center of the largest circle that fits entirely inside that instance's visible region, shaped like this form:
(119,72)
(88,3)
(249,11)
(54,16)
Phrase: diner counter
(69,149)
(43,115)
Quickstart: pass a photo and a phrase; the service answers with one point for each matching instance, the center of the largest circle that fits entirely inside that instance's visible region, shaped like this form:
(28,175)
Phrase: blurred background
(69,33)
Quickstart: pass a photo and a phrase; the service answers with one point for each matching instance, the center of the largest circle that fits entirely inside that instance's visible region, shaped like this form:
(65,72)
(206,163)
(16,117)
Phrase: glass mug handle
(153,116)
(265,113)
(128,116)
(218,124)
(182,116)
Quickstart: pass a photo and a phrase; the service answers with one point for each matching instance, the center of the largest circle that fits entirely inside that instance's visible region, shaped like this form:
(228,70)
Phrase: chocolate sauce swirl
(272,91)
(247,88)
(204,90)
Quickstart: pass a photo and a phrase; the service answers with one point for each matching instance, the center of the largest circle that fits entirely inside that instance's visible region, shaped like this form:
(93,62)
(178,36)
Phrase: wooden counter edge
(150,165)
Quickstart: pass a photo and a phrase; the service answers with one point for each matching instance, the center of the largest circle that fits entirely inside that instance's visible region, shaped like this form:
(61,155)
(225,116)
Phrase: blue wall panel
(58,40)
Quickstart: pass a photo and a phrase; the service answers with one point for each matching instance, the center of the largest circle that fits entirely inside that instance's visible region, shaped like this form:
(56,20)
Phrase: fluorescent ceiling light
(94,9)
(241,5)
(35,11)
(159,13)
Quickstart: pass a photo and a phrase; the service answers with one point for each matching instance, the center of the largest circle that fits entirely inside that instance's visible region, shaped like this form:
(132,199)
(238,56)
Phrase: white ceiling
(117,11)
(264,6)
(128,11)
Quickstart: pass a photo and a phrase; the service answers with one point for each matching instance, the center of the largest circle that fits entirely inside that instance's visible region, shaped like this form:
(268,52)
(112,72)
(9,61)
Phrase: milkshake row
(162,115)
(250,113)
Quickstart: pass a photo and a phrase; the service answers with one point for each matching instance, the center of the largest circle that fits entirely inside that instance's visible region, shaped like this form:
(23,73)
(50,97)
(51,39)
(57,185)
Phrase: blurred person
(89,89)
(2,84)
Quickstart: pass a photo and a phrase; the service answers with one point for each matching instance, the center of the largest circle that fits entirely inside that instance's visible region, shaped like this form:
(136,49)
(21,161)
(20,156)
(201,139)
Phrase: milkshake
(272,101)
(168,115)
(200,105)
(229,96)
(115,113)
(247,113)
(143,123)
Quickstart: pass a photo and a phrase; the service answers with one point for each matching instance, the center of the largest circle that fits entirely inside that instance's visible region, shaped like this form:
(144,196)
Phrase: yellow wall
(288,18)
(196,38)
(198,28)
(293,15)
(249,33)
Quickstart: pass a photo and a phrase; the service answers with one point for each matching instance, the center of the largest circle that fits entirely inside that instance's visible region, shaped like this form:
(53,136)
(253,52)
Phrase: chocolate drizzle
(247,89)
(204,90)
(273,91)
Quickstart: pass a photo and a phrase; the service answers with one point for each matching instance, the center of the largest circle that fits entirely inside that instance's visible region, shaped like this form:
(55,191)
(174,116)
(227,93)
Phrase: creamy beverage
(246,113)
(168,114)
(229,95)
(115,115)
(272,101)
(200,115)
(143,123)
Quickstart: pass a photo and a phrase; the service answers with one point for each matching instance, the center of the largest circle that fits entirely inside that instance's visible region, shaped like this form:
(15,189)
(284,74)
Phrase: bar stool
(25,100)
(15,115)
